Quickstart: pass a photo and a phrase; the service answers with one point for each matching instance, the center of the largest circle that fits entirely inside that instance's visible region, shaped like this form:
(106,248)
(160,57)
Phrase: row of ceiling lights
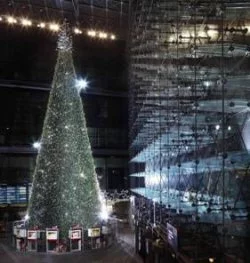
(55,27)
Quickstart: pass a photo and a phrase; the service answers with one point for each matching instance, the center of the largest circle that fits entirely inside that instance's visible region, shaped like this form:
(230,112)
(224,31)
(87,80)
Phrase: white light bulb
(54,27)
(77,31)
(11,20)
(113,37)
(103,35)
(91,33)
(41,25)
(26,22)
(37,145)
(217,127)
(81,84)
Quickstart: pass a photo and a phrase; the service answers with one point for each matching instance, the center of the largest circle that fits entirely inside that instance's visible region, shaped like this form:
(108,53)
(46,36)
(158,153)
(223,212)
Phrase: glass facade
(189,111)
(14,194)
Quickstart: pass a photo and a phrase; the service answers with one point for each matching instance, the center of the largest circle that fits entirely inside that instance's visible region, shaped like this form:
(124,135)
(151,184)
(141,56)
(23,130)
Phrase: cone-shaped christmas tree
(65,189)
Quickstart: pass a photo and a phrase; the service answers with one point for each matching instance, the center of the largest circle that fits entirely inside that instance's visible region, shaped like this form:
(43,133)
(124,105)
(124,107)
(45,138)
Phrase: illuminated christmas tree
(65,189)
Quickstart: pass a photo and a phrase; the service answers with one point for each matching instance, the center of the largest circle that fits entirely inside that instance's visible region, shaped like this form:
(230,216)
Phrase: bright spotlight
(27,217)
(104,213)
(81,84)
(113,37)
(37,145)
(217,127)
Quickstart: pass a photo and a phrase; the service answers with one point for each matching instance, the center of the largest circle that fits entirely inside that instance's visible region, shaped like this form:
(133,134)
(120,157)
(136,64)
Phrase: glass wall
(189,111)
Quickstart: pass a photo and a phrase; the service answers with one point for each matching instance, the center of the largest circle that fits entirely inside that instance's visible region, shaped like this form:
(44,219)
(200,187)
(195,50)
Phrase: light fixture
(54,27)
(77,31)
(11,20)
(211,260)
(207,83)
(217,127)
(81,84)
(37,145)
(103,35)
(27,217)
(104,215)
(26,22)
(229,128)
(41,25)
(91,33)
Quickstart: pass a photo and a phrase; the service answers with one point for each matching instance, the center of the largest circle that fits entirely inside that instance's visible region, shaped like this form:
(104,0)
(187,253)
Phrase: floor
(120,252)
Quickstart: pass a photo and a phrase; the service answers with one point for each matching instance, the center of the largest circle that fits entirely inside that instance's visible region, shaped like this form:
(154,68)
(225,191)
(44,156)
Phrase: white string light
(55,27)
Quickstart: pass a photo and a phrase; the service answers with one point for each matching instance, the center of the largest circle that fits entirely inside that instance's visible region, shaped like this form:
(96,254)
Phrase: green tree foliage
(65,189)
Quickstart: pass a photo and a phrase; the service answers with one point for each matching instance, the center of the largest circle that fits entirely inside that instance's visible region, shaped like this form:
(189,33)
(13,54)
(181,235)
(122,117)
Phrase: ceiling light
(11,20)
(54,27)
(103,35)
(26,22)
(37,145)
(77,31)
(41,25)
(113,37)
(81,84)
(91,33)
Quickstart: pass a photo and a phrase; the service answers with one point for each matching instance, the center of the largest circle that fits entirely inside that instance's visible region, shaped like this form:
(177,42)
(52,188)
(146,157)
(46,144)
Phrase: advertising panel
(52,234)
(75,234)
(172,236)
(32,235)
(94,232)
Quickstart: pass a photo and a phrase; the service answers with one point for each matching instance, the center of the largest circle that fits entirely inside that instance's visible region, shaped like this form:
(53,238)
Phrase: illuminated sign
(52,234)
(32,234)
(94,232)
(172,236)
